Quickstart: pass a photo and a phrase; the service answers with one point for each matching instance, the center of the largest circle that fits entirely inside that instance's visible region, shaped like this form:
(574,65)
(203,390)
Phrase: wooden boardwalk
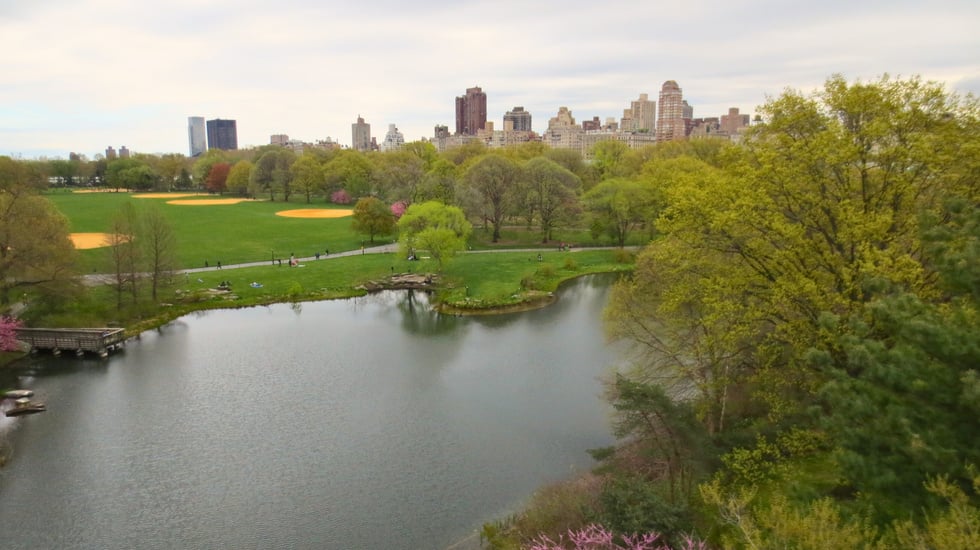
(78,340)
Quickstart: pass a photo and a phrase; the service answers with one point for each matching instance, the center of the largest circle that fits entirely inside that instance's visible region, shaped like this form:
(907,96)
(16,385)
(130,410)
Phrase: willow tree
(434,227)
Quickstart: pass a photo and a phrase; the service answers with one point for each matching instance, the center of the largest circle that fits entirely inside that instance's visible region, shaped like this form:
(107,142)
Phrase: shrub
(571,264)
(624,256)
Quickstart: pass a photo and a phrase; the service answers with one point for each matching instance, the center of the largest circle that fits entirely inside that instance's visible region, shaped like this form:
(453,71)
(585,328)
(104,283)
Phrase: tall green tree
(239,177)
(551,194)
(620,205)
(351,171)
(307,175)
(494,177)
(36,253)
(372,217)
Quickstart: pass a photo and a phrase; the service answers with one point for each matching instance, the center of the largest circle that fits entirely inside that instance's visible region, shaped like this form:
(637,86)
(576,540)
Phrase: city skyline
(126,73)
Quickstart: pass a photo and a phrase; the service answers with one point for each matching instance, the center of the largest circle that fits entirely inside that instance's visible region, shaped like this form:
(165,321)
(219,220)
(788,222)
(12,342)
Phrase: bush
(295,291)
(624,256)
(571,264)
(635,505)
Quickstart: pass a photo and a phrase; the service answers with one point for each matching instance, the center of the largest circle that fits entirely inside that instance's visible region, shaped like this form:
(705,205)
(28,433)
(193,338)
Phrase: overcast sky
(80,75)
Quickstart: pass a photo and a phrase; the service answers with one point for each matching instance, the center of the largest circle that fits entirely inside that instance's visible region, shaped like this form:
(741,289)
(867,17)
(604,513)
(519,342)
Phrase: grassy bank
(472,282)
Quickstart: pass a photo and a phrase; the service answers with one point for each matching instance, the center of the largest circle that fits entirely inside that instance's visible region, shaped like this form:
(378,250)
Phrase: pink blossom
(596,537)
(340,197)
(398,209)
(8,333)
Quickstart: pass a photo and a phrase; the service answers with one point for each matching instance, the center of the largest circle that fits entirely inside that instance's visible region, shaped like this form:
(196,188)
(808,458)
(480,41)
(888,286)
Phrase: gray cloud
(91,73)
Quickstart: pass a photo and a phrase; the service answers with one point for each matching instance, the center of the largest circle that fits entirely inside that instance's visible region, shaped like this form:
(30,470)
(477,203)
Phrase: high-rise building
(641,115)
(733,122)
(471,112)
(196,136)
(360,135)
(222,134)
(519,118)
(110,153)
(123,152)
(393,139)
(670,116)
(563,132)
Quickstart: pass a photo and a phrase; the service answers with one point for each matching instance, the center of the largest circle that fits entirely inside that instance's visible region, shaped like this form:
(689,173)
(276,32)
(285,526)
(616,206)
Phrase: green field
(233,233)
(249,232)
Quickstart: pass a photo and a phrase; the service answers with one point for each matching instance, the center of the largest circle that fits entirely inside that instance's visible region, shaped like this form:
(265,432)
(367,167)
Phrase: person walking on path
(219,264)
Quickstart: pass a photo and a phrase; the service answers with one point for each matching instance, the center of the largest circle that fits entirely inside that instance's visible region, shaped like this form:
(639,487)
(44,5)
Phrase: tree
(621,205)
(184,180)
(609,159)
(439,183)
(124,253)
(217,181)
(372,217)
(307,174)
(441,230)
(8,333)
(794,282)
(239,177)
(170,167)
(159,247)
(271,172)
(551,194)
(349,170)
(399,175)
(494,178)
(35,250)
(130,174)
(202,166)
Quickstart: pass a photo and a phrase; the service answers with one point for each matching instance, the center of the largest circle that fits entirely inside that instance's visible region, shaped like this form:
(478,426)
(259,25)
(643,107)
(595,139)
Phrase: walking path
(106,278)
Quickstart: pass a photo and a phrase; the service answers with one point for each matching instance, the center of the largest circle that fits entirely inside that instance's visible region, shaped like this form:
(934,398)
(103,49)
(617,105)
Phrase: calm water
(367,423)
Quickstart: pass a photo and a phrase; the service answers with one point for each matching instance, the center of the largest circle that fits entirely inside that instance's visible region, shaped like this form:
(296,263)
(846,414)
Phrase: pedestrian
(326,251)
(362,249)
(219,264)
(205,263)
(318,255)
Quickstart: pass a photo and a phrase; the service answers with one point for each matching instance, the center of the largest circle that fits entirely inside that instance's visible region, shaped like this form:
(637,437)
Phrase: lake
(364,423)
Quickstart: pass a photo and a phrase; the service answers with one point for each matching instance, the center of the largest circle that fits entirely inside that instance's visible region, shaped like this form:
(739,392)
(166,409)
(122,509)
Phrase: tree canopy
(814,294)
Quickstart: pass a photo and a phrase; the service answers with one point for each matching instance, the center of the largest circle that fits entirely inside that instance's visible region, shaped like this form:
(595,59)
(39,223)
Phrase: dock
(78,340)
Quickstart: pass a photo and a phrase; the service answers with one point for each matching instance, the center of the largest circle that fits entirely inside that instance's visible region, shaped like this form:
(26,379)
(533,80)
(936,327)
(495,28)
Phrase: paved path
(106,278)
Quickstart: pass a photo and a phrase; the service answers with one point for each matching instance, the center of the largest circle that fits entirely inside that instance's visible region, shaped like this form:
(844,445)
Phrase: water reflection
(365,423)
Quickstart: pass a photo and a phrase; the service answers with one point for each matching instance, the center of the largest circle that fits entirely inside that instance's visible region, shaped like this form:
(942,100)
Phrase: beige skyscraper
(641,115)
(670,117)
(361,135)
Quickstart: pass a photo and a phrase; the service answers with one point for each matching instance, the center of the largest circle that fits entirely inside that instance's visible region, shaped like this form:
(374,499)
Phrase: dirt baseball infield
(166,195)
(85,241)
(205,202)
(315,213)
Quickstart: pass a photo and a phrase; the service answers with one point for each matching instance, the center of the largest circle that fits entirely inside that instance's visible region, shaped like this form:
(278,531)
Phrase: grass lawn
(230,233)
(252,232)
(521,237)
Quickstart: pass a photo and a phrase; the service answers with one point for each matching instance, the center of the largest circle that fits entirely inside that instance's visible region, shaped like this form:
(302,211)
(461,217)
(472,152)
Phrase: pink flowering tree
(8,333)
(597,537)
(398,209)
(340,197)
